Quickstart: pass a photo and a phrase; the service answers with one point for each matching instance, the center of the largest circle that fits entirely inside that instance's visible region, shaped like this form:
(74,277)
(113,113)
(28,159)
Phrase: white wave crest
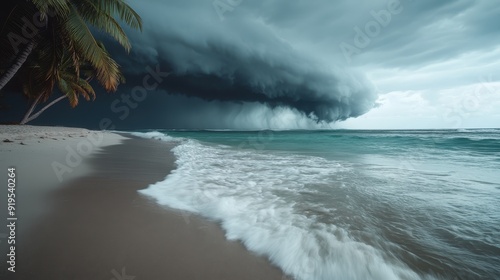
(246,191)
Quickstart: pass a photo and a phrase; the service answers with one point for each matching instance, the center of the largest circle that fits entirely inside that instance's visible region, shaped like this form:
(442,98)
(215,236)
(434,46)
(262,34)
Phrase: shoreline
(97,226)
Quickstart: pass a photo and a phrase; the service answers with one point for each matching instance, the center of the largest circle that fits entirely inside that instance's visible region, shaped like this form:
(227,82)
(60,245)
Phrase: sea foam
(250,193)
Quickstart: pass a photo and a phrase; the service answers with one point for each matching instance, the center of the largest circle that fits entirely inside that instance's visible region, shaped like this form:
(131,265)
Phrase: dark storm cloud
(286,53)
(278,64)
(240,59)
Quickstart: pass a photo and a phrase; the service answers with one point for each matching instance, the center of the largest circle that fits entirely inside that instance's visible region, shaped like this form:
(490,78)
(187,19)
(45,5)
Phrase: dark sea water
(342,204)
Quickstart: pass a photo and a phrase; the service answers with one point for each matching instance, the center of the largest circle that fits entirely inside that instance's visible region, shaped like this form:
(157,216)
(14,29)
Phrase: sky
(289,64)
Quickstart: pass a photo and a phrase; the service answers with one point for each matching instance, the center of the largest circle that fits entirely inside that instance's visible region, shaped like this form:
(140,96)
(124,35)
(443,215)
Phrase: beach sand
(95,225)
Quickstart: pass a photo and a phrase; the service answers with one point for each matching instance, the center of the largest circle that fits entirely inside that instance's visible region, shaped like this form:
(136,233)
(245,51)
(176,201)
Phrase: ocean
(347,204)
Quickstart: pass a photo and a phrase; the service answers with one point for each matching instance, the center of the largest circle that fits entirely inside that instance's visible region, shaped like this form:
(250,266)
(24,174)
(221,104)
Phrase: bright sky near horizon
(458,92)
(472,106)
(441,72)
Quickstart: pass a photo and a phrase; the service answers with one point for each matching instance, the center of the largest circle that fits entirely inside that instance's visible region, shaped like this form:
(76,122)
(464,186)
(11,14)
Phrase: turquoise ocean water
(343,204)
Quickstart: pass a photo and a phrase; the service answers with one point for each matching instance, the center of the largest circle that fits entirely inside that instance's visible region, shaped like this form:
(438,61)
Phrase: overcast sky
(315,64)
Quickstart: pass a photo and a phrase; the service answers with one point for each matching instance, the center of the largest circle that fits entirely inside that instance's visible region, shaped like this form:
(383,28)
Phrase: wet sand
(97,226)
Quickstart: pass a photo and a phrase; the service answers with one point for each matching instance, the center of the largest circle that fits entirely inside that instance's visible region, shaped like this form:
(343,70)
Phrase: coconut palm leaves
(71,82)
(67,41)
(70,76)
(73,21)
(52,7)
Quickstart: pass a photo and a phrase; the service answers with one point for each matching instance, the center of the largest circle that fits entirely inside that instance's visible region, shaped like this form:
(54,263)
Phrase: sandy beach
(80,215)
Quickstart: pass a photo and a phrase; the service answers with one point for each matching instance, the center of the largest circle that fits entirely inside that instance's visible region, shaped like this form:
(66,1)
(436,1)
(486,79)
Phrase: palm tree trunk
(18,62)
(27,118)
(30,110)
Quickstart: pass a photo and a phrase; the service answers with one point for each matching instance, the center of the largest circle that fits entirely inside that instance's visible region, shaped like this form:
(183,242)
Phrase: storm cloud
(245,64)
(233,56)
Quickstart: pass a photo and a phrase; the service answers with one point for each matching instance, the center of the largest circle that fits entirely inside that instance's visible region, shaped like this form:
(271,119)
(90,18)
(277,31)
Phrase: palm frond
(123,10)
(87,87)
(104,21)
(47,62)
(108,73)
(68,90)
(67,55)
(46,7)
(79,85)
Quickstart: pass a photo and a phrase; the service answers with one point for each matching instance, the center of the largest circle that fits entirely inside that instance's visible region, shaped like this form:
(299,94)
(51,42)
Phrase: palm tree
(67,37)
(15,45)
(70,81)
